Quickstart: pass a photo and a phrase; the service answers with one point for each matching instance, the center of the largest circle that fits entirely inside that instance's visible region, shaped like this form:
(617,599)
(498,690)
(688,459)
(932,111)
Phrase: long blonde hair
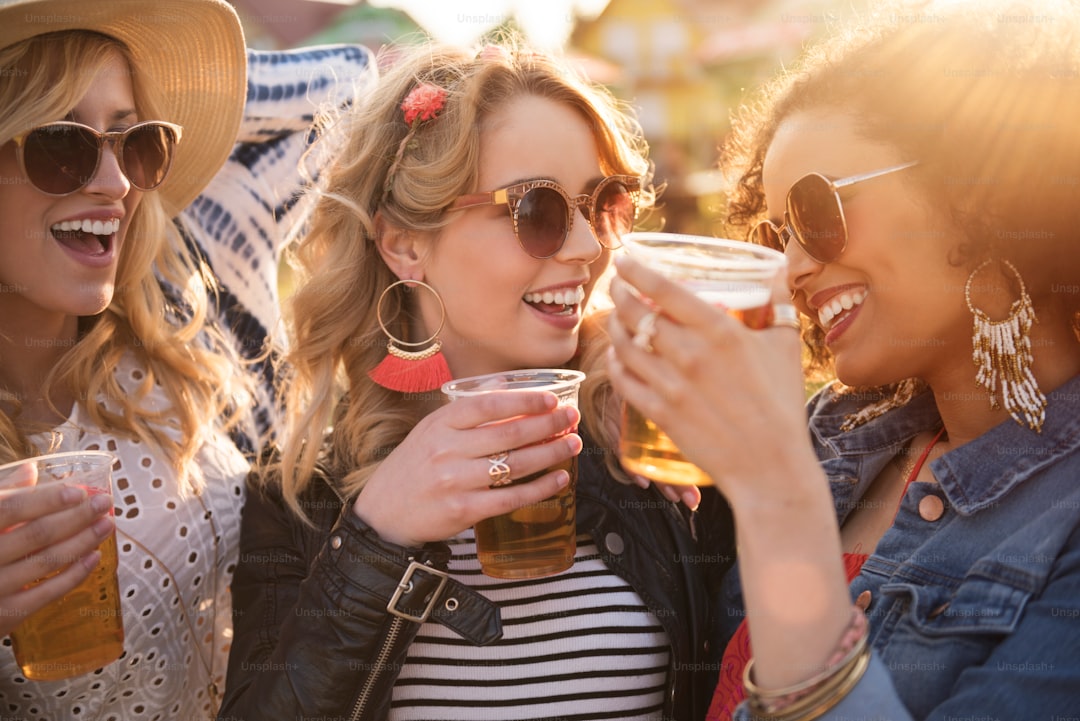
(336,336)
(168,336)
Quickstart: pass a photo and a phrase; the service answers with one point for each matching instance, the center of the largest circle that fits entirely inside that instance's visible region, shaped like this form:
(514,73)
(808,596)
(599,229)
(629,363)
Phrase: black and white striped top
(578,645)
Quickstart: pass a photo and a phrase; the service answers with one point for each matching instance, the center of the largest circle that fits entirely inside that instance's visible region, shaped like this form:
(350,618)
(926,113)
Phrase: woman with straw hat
(115,116)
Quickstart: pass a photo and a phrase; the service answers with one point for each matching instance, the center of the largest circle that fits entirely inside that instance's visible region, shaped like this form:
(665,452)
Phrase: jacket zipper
(384,653)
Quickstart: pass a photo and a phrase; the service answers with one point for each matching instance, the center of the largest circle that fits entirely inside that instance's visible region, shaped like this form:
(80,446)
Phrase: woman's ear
(401,249)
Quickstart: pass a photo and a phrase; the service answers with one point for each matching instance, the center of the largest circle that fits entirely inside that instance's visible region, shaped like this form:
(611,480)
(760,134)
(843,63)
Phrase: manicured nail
(91,560)
(72,495)
(101,502)
(103,526)
(562,479)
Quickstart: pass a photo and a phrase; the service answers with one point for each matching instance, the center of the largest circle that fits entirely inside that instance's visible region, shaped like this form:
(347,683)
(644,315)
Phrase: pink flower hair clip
(422,103)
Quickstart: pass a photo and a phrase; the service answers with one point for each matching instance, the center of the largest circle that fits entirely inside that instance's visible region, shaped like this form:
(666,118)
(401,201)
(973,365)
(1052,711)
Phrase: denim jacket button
(863,601)
(931,507)
(335,542)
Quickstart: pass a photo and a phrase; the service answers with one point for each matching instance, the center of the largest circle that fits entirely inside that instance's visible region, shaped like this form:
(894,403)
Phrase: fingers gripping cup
(83,630)
(539,539)
(735,275)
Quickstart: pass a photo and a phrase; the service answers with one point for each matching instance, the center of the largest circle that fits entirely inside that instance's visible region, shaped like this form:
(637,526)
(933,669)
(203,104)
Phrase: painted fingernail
(90,560)
(101,502)
(72,495)
(103,527)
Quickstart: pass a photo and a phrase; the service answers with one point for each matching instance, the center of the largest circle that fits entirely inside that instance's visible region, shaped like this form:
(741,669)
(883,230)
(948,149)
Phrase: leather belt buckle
(407,584)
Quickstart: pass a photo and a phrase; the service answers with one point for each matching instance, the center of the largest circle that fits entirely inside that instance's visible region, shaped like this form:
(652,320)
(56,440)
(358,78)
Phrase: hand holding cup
(437,481)
(59,595)
(720,390)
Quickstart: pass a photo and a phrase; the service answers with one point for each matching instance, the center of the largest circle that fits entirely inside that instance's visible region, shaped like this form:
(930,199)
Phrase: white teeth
(559,297)
(97,227)
(845,301)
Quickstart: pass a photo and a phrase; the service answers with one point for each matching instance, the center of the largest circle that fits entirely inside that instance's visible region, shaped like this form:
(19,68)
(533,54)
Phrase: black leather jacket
(314,637)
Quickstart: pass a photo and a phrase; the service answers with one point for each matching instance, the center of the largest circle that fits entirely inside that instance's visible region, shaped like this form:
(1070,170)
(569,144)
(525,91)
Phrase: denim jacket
(976,613)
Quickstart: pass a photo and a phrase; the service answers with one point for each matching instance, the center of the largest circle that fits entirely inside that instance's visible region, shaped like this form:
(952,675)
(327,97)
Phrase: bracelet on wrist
(845,666)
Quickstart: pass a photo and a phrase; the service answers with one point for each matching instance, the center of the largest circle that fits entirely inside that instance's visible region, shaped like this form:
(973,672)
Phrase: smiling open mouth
(90,237)
(838,308)
(560,302)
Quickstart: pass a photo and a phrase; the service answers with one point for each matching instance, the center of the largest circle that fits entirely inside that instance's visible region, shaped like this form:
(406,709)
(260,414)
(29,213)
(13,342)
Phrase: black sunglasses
(814,216)
(62,157)
(543,212)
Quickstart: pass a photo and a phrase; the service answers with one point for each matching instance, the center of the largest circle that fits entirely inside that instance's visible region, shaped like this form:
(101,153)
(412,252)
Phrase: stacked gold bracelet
(810,699)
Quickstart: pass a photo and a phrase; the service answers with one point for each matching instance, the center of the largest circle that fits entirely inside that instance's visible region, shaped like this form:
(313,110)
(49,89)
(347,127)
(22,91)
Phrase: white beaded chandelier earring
(1002,355)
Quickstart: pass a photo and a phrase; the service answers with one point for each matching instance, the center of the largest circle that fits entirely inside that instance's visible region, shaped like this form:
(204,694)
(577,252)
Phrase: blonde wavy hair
(168,336)
(336,337)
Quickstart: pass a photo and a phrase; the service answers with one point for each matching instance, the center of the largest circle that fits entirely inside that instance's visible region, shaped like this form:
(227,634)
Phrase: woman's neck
(30,347)
(964,405)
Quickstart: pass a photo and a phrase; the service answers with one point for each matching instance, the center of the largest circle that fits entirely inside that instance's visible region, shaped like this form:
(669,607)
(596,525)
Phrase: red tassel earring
(411,371)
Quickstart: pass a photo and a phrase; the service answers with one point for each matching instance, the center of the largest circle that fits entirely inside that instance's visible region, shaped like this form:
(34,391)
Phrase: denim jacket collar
(970,476)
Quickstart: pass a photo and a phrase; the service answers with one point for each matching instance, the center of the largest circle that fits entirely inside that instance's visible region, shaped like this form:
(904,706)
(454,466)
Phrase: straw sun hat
(194,52)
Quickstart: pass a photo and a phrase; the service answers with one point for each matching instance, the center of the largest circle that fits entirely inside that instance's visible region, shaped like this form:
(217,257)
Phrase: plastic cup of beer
(735,275)
(83,630)
(539,539)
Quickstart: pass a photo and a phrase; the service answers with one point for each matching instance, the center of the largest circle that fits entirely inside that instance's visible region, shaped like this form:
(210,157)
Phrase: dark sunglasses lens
(765,234)
(816,218)
(60,159)
(613,215)
(147,155)
(541,222)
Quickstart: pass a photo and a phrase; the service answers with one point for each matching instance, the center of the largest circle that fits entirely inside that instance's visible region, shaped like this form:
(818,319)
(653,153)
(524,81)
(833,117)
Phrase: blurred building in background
(683,65)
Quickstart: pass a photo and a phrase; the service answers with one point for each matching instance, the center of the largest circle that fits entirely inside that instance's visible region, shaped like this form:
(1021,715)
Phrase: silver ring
(786,315)
(645,331)
(499,469)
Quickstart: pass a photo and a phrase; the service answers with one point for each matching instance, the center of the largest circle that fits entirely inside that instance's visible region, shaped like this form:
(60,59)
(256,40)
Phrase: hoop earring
(411,371)
(1002,355)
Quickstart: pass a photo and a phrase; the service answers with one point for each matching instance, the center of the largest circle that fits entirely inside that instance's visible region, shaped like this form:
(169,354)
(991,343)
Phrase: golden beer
(732,275)
(77,633)
(83,630)
(535,540)
(539,539)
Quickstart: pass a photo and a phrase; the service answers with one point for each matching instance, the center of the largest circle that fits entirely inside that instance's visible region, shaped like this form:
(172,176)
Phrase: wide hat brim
(194,52)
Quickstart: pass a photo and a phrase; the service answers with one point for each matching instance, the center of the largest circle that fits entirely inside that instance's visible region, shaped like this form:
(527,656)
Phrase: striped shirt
(577,645)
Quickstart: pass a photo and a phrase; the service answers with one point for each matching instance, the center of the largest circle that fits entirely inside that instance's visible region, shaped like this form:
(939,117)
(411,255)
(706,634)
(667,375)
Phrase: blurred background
(684,65)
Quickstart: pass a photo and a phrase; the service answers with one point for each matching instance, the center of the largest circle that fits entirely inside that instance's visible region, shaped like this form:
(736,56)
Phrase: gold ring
(786,315)
(645,331)
(499,469)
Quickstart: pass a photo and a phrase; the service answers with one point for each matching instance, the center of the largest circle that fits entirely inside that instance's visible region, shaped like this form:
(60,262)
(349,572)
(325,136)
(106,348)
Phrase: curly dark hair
(984,94)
